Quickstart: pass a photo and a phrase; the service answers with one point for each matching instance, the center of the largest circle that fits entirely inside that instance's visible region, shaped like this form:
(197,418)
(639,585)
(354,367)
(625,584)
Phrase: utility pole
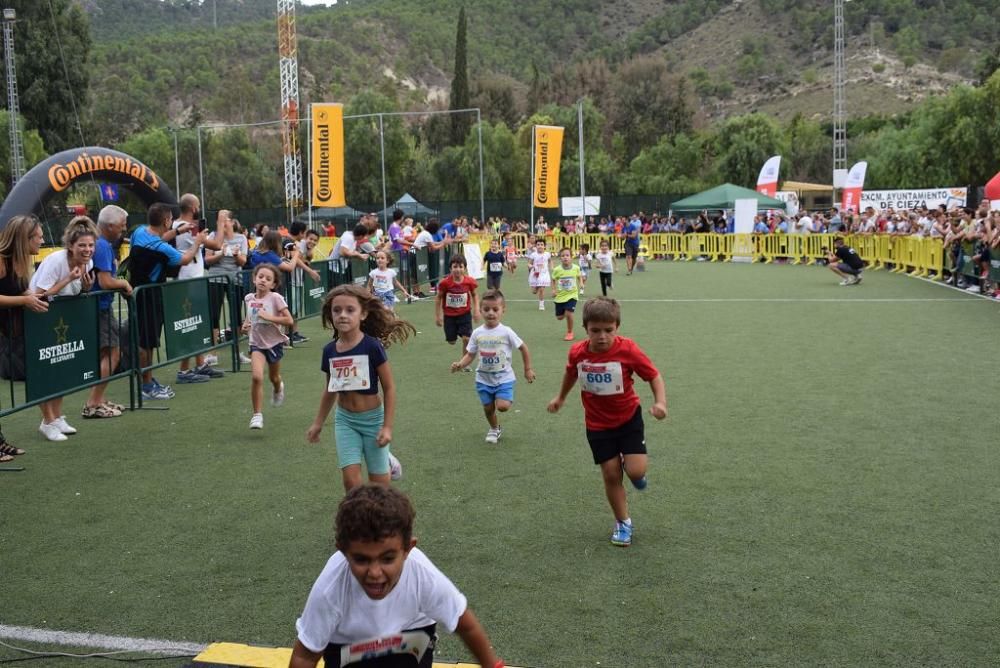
(16,145)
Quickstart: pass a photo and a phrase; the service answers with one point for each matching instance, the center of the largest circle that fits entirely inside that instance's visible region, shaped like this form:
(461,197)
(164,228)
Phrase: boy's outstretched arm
(659,407)
(529,373)
(303,658)
(472,634)
(567,384)
(462,363)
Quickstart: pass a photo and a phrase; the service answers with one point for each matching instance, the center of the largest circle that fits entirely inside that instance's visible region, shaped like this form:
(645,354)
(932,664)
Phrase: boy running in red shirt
(604,364)
(457,303)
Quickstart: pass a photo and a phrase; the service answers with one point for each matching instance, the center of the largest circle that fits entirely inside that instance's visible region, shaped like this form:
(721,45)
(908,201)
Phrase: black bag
(12,359)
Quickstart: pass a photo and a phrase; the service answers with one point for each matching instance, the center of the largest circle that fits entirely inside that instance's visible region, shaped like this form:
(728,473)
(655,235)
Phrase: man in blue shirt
(111,223)
(150,259)
(632,230)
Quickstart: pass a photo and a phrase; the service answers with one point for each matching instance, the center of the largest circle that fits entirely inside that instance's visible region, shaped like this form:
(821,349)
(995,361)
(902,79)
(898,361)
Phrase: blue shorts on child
(272,355)
(355,434)
(388,298)
(490,393)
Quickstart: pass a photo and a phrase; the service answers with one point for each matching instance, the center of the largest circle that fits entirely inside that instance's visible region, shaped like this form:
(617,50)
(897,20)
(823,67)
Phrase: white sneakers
(278,398)
(493,435)
(245,359)
(257,421)
(541,306)
(57,429)
(395,468)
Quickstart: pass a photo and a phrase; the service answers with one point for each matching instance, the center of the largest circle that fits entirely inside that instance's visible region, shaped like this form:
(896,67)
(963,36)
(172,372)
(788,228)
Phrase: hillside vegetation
(672,87)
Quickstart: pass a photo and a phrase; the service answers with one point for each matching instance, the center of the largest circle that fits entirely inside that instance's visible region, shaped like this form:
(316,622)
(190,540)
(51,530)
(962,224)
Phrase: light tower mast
(16,147)
(289,68)
(839,102)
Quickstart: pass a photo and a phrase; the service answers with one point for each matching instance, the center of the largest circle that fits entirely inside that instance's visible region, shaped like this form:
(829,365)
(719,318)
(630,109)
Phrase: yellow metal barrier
(914,256)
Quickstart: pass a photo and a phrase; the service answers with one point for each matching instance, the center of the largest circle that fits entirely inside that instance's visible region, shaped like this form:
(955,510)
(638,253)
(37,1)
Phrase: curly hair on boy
(379,321)
(371,513)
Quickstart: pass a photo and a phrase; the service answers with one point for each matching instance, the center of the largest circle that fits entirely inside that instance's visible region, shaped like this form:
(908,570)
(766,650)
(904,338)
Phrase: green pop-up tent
(724,197)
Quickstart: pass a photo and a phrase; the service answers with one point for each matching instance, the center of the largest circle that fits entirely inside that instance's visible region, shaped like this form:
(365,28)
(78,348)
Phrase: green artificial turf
(825,490)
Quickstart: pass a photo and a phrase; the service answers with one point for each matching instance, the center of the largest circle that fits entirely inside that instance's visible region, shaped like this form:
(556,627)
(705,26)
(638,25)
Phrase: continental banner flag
(328,155)
(548,153)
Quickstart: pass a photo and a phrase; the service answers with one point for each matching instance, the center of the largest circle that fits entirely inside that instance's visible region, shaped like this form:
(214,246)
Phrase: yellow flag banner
(328,155)
(548,153)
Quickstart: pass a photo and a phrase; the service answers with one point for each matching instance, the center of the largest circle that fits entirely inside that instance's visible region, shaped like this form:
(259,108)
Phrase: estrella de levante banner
(327,166)
(548,153)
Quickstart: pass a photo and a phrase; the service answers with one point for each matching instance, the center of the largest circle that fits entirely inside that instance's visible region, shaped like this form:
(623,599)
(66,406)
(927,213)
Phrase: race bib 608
(604,378)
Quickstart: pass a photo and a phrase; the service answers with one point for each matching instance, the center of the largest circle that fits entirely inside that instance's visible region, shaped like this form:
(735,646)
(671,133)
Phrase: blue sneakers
(640,484)
(622,535)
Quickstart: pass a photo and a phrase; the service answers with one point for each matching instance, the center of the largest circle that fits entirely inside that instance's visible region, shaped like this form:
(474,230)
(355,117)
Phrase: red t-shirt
(457,296)
(609,400)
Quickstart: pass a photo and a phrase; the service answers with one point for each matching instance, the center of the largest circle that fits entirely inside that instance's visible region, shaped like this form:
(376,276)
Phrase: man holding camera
(845,262)
(187,227)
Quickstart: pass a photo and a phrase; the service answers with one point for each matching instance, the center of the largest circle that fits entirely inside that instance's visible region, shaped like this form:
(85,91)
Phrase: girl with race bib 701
(355,365)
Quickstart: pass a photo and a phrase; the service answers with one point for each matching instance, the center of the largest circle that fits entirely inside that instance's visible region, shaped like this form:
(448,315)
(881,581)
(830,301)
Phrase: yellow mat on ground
(235,654)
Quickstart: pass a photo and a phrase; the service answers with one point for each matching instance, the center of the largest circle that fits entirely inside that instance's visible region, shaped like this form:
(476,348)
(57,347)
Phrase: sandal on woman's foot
(6,458)
(113,406)
(9,450)
(90,412)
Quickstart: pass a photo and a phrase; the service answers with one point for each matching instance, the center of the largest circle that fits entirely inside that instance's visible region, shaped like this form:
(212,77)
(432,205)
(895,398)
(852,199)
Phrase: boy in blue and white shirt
(494,344)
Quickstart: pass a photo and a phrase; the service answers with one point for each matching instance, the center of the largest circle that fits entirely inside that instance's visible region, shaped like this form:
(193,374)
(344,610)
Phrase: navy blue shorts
(272,355)
(562,307)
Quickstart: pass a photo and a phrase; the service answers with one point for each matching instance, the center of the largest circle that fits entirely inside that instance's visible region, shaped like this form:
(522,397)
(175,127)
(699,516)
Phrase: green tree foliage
(953,140)
(674,165)
(31,145)
(808,156)
(460,82)
(647,101)
(362,150)
(53,73)
(741,146)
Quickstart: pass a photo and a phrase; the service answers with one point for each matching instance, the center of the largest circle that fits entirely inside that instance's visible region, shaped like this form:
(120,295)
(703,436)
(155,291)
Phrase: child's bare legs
(352,476)
(611,471)
(274,374)
(257,362)
(568,317)
(491,409)
(635,466)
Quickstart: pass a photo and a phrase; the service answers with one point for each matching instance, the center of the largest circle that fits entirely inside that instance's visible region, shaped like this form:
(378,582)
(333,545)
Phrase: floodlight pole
(531,187)
(385,203)
(839,98)
(201,174)
(583,189)
(482,193)
(16,145)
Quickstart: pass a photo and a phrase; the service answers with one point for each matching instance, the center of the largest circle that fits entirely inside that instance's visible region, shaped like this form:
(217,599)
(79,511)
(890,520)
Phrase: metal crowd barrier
(52,354)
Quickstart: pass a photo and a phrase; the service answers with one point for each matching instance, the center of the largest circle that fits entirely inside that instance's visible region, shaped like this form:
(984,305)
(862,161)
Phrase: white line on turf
(884,300)
(121,643)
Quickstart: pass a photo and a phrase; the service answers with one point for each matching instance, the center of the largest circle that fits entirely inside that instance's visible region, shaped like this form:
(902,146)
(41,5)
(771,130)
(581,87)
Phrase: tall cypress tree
(460,123)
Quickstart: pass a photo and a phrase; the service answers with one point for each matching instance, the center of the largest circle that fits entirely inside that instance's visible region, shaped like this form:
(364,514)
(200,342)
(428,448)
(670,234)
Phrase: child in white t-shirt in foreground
(379,598)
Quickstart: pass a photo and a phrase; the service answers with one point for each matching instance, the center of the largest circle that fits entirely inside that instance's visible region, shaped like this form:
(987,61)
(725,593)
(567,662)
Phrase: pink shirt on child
(265,334)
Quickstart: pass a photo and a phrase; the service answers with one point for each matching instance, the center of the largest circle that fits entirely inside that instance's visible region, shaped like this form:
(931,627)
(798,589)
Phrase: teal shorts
(355,434)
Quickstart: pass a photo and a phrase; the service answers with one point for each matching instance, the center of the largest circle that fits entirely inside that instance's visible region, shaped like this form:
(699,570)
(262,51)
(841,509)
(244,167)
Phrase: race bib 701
(349,374)
(603,378)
